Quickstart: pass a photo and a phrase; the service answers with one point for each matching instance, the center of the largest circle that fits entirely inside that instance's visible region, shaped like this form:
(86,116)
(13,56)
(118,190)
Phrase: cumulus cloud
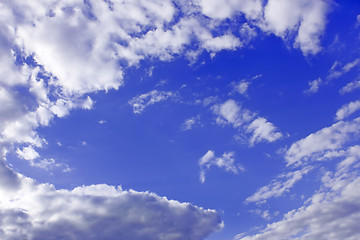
(221,10)
(333,212)
(226,161)
(78,47)
(140,102)
(39,211)
(28,153)
(263,130)
(307,19)
(347,110)
(230,112)
(102,35)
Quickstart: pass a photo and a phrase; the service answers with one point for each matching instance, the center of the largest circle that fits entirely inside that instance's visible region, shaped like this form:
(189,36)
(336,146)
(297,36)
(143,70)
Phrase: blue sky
(179,119)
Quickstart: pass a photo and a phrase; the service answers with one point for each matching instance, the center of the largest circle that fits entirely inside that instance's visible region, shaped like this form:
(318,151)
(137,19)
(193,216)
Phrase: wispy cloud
(140,102)
(226,162)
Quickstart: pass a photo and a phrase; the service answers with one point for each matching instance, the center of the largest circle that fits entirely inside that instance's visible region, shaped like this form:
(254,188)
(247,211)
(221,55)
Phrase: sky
(179,120)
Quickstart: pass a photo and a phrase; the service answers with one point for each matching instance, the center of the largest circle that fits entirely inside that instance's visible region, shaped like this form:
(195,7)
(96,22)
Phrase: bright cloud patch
(326,139)
(139,103)
(347,110)
(352,86)
(39,211)
(59,56)
(331,213)
(263,130)
(260,129)
(279,186)
(226,161)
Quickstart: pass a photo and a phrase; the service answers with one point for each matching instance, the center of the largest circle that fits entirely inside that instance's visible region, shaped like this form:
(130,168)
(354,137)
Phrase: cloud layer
(38,211)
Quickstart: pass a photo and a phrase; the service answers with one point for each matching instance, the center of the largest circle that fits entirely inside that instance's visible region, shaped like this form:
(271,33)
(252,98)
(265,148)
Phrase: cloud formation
(348,109)
(140,102)
(333,212)
(259,129)
(226,161)
(38,211)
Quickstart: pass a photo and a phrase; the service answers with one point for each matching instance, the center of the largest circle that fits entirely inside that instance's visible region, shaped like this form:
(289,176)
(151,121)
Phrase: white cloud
(279,186)
(140,102)
(314,86)
(189,124)
(347,109)
(327,139)
(102,35)
(50,164)
(263,130)
(223,42)
(337,70)
(260,129)
(227,8)
(226,161)
(350,87)
(247,33)
(39,211)
(231,112)
(324,144)
(331,213)
(242,87)
(28,153)
(306,18)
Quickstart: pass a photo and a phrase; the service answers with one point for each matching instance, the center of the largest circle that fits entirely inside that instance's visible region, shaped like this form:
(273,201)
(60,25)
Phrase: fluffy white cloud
(38,211)
(350,87)
(307,18)
(260,129)
(222,42)
(333,212)
(231,112)
(28,153)
(227,8)
(347,110)
(102,34)
(263,130)
(226,161)
(140,102)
